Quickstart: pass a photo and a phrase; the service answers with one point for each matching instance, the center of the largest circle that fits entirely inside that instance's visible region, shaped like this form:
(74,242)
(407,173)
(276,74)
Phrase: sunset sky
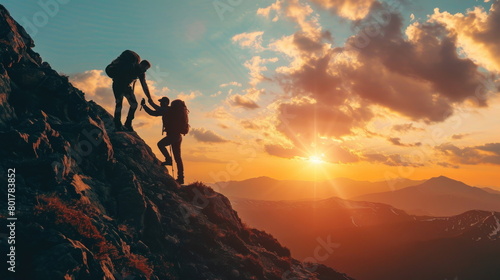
(291,89)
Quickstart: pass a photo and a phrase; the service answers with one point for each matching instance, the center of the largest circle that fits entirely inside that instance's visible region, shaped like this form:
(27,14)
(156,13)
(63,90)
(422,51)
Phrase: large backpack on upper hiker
(124,67)
(177,120)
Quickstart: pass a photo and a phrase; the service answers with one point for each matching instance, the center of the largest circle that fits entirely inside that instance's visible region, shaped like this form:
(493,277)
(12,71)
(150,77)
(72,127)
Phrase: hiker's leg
(162,145)
(117,91)
(176,150)
(129,94)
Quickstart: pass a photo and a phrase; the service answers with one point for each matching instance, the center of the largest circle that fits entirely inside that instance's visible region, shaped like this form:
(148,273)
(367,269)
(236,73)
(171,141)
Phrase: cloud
(207,136)
(459,136)
(397,142)
(305,122)
(420,77)
(350,9)
(276,7)
(296,11)
(246,124)
(477,33)
(448,165)
(390,160)
(252,40)
(485,154)
(279,151)
(255,65)
(417,72)
(188,97)
(238,100)
(236,84)
(405,127)
(219,113)
(216,94)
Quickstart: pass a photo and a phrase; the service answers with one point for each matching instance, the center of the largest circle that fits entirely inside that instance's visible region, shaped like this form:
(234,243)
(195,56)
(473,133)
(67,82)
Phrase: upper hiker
(124,71)
(175,123)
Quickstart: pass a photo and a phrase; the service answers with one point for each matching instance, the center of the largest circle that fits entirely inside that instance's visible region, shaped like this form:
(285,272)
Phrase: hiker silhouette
(174,126)
(124,71)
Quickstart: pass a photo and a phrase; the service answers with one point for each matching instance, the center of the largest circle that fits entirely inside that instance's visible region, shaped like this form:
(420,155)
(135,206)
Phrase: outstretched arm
(151,112)
(153,104)
(144,85)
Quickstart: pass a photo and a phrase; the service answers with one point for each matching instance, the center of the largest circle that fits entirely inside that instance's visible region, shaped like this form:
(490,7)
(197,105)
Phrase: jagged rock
(96,203)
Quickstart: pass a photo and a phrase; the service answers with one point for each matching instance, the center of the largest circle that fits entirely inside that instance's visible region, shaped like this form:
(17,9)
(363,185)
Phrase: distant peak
(443,182)
(261,178)
(442,179)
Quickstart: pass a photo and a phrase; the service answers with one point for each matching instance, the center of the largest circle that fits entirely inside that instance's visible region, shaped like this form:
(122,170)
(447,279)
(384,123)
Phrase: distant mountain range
(265,188)
(374,241)
(440,196)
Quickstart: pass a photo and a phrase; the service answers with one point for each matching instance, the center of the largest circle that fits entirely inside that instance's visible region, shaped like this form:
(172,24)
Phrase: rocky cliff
(87,202)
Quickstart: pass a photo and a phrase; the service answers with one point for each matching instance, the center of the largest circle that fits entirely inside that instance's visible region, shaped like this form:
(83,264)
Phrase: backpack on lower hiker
(177,120)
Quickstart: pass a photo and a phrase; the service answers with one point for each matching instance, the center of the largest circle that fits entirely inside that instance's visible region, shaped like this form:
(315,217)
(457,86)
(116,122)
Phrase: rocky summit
(87,202)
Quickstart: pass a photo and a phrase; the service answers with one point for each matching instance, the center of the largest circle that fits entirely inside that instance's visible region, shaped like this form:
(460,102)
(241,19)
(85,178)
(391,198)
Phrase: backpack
(177,119)
(123,66)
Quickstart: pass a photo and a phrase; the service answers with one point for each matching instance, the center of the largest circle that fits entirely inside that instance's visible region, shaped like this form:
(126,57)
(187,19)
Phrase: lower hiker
(124,71)
(175,123)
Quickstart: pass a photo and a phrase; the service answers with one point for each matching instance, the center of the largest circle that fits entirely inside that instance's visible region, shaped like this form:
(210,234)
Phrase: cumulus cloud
(207,136)
(219,113)
(420,76)
(477,33)
(256,67)
(406,127)
(188,97)
(246,124)
(350,9)
(275,7)
(296,11)
(238,100)
(459,136)
(483,154)
(390,160)
(305,122)
(236,84)
(251,40)
(397,142)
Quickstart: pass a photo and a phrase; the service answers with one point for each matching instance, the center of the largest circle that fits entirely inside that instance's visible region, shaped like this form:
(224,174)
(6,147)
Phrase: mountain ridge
(383,238)
(267,188)
(439,196)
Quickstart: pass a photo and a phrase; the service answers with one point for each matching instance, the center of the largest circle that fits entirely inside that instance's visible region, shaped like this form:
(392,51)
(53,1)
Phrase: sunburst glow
(316,159)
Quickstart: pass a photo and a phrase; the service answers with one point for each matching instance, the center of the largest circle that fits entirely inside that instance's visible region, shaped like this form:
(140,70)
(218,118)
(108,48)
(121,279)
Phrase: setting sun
(316,159)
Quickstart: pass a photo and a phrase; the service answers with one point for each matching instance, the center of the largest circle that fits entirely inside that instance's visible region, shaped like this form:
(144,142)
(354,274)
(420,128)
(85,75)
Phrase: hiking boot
(167,161)
(118,126)
(180,180)
(128,126)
